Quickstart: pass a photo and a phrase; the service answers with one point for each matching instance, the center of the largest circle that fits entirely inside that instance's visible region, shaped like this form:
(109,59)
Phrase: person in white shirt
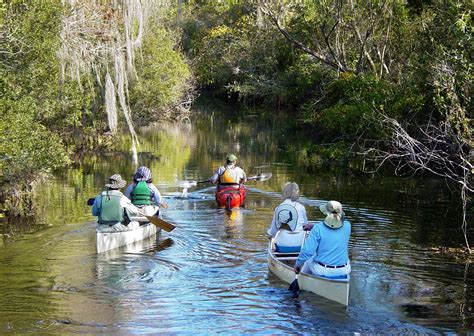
(288,220)
(229,174)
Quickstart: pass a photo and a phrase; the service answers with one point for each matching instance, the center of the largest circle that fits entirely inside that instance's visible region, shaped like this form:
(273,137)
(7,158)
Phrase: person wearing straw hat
(288,221)
(326,250)
(144,194)
(111,206)
(229,174)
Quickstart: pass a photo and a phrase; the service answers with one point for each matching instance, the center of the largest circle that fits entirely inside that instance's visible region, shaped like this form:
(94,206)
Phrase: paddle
(159,222)
(188,184)
(294,286)
(154,220)
(260,177)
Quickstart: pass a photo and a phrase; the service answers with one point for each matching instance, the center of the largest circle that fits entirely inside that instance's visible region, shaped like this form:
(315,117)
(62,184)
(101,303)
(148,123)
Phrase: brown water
(210,274)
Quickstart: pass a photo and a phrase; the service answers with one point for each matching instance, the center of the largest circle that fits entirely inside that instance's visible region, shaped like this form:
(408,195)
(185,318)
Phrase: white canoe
(107,239)
(281,264)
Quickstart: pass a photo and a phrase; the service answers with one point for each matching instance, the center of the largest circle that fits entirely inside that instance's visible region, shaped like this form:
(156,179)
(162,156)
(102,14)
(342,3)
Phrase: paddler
(112,207)
(288,221)
(229,175)
(326,250)
(144,194)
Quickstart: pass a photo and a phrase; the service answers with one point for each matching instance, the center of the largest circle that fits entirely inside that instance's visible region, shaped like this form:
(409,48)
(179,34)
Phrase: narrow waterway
(210,275)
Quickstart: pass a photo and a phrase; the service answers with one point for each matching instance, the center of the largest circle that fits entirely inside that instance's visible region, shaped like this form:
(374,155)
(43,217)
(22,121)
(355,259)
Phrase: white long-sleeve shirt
(240,173)
(302,217)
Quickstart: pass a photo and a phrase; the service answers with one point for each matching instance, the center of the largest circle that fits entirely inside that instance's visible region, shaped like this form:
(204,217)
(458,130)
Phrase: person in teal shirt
(326,250)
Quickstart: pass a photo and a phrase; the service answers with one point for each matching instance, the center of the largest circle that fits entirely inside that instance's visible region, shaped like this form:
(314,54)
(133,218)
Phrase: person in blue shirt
(326,250)
(111,206)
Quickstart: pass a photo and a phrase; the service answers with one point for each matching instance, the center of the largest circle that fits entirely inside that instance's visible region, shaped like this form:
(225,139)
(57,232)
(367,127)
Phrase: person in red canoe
(229,175)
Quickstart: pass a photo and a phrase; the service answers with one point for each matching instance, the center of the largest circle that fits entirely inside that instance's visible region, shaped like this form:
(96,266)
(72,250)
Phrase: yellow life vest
(229,176)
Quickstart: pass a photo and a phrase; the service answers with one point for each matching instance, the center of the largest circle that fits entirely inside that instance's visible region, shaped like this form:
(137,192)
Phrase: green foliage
(314,155)
(236,53)
(28,149)
(163,75)
(29,84)
(351,106)
(444,67)
(31,71)
(32,109)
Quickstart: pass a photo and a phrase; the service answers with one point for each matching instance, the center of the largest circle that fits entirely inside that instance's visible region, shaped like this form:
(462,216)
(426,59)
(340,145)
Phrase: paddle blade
(264,176)
(187,184)
(260,177)
(161,223)
(294,287)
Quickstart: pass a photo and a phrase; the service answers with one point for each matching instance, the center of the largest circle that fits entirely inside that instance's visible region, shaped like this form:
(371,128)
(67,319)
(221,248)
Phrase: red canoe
(230,196)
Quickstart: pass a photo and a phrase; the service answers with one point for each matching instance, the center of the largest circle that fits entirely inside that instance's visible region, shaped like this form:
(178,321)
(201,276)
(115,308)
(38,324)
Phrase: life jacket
(141,194)
(229,176)
(111,212)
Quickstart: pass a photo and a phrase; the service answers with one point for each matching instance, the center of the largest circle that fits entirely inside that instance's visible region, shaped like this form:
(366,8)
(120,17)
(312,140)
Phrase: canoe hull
(230,197)
(334,290)
(106,241)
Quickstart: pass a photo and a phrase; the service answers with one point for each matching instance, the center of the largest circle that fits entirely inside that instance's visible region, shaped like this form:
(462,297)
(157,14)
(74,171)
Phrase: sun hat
(334,214)
(231,158)
(286,214)
(116,182)
(142,174)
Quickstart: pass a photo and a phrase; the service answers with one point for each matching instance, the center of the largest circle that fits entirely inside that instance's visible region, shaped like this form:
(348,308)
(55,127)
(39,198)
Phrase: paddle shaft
(258,177)
(159,222)
(294,286)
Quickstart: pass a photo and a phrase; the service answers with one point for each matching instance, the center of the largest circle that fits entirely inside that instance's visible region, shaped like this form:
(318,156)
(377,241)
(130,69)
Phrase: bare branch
(438,149)
(274,17)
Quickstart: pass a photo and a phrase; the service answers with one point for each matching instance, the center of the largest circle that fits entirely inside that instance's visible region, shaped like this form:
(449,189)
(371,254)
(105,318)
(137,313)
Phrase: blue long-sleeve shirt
(330,246)
(124,202)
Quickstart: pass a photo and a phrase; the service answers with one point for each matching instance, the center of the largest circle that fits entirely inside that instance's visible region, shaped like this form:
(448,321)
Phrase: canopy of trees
(74,72)
(390,79)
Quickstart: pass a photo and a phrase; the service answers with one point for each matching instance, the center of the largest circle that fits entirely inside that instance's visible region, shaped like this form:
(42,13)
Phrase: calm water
(210,274)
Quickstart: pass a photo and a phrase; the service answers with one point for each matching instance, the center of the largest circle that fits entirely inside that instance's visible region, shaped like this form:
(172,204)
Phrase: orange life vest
(229,176)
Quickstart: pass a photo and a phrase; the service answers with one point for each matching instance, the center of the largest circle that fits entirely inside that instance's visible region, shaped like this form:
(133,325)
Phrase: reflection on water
(210,274)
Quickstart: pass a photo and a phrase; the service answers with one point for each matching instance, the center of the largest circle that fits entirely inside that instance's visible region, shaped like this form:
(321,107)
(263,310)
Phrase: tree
(424,57)
(346,36)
